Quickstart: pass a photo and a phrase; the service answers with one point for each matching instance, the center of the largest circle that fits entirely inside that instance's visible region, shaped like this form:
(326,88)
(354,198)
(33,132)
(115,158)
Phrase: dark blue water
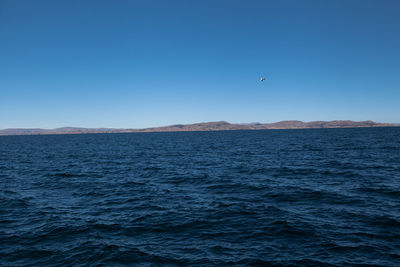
(276,197)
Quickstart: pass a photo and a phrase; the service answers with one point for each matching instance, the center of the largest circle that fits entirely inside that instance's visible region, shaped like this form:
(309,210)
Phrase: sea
(304,197)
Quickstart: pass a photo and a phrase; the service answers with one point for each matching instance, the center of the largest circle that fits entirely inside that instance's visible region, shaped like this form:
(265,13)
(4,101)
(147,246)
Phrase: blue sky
(134,64)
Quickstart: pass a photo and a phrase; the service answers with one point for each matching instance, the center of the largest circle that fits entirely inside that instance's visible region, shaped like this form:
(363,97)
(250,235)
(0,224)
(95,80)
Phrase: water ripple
(324,197)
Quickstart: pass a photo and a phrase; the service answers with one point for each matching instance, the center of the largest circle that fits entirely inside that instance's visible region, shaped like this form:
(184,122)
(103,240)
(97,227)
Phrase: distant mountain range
(205,126)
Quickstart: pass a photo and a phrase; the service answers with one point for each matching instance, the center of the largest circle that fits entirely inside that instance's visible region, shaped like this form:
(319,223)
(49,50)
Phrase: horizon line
(202,122)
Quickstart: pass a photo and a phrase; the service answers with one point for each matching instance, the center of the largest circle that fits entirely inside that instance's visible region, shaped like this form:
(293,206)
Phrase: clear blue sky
(150,63)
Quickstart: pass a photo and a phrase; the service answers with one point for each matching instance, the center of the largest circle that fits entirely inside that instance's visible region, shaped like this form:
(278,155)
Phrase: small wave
(248,198)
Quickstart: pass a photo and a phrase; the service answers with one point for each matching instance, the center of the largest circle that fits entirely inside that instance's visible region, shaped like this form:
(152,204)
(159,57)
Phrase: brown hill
(205,126)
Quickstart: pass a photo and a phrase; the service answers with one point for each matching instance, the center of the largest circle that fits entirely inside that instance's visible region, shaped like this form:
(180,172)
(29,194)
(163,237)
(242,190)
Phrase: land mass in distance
(204,126)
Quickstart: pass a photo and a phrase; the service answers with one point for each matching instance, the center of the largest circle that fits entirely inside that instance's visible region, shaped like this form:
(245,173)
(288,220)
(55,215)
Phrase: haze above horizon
(139,64)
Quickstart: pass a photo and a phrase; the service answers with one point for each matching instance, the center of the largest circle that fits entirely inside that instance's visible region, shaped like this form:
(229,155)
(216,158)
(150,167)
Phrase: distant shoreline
(205,126)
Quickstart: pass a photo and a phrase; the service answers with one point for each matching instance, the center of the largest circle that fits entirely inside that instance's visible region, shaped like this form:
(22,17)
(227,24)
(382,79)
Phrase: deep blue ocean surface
(326,197)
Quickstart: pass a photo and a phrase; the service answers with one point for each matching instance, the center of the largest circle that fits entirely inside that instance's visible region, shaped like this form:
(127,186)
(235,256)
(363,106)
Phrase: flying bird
(262,79)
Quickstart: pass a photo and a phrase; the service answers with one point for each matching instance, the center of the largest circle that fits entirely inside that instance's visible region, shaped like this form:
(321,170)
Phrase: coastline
(202,127)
